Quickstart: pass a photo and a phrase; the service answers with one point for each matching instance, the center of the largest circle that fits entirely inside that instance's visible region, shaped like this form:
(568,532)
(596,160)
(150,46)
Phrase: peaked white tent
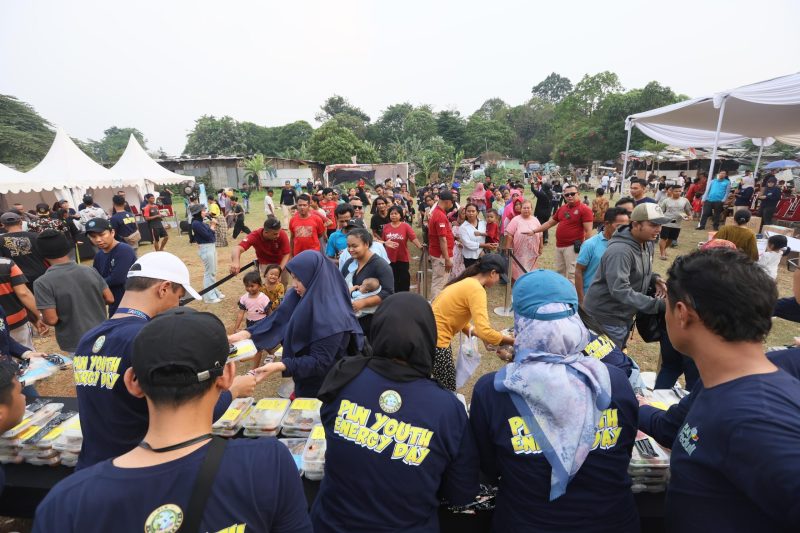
(760,111)
(15,186)
(66,167)
(135,164)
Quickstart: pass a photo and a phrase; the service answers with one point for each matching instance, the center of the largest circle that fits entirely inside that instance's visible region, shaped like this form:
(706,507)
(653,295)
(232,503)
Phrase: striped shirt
(10,277)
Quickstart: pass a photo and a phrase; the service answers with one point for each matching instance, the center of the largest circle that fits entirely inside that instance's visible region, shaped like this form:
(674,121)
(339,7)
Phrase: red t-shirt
(401,235)
(329,208)
(570,223)
(439,226)
(306,232)
(492,233)
(267,252)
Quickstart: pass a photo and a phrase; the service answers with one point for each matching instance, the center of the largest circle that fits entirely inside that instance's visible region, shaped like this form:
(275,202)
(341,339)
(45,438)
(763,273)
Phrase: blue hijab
(324,310)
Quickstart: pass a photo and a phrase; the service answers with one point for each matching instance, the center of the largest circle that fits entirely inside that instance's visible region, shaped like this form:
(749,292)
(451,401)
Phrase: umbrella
(783,163)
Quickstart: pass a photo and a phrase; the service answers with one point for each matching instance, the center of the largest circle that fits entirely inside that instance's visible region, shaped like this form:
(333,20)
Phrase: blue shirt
(124,225)
(735,463)
(114,266)
(773,196)
(337,242)
(388,460)
(591,252)
(112,421)
(645,200)
(309,366)
(203,234)
(256,489)
(598,498)
(718,192)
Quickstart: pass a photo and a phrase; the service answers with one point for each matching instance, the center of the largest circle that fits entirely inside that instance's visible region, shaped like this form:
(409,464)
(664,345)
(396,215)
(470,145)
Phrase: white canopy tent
(761,111)
(15,187)
(67,168)
(135,164)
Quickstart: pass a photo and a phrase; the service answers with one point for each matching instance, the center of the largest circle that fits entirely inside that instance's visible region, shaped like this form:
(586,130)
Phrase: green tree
(420,123)
(389,127)
(216,136)
(253,167)
(529,121)
(293,135)
(25,136)
(485,134)
(339,105)
(589,93)
(553,88)
(332,143)
(452,127)
(493,109)
(110,148)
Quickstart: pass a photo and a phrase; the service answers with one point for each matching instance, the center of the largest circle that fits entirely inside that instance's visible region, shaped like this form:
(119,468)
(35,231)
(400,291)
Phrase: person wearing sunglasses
(358,207)
(574,220)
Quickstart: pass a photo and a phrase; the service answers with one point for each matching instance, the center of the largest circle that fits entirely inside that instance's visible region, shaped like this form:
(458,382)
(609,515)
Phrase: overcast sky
(158,65)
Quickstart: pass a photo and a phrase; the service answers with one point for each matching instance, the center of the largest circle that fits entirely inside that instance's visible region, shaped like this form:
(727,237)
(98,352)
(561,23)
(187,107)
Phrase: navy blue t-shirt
(603,348)
(393,449)
(203,234)
(735,464)
(663,426)
(124,225)
(598,498)
(112,421)
(256,489)
(114,266)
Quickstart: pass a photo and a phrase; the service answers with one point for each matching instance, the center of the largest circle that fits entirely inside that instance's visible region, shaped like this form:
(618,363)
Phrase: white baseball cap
(166,266)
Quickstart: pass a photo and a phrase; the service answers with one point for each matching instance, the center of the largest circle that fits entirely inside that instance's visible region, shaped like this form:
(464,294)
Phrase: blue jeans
(618,334)
(208,254)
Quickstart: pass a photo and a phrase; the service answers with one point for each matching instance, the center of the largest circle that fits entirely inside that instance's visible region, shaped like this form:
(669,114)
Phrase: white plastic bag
(468,360)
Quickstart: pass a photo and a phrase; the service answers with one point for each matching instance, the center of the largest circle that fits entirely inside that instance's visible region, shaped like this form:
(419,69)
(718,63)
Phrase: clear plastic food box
(314,454)
(303,414)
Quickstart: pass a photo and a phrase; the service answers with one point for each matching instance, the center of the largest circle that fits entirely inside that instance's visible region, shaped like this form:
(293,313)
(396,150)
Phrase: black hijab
(403,329)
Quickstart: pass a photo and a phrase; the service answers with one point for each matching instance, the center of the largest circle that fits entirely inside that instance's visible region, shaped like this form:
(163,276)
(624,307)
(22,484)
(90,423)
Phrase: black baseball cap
(180,347)
(355,223)
(10,217)
(495,262)
(97,225)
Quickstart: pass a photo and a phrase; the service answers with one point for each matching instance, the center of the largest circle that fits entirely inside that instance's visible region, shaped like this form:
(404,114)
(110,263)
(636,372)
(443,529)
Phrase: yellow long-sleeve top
(456,305)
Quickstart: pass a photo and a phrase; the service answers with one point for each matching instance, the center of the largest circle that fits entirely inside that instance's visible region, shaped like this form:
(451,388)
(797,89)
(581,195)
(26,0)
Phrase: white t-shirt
(269,205)
(769,261)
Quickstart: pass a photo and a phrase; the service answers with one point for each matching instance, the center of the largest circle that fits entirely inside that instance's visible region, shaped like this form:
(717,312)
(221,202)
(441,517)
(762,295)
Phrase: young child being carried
(369,287)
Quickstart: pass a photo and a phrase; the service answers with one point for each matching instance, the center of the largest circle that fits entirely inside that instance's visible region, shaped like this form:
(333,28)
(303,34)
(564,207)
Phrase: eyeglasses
(567,194)
(358,207)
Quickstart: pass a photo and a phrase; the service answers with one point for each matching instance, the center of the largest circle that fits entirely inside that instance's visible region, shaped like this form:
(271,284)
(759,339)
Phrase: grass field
(646,355)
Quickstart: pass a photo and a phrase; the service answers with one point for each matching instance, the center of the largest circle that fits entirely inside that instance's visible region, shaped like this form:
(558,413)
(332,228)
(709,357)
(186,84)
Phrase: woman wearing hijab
(478,197)
(396,440)
(464,300)
(513,209)
(556,427)
(314,323)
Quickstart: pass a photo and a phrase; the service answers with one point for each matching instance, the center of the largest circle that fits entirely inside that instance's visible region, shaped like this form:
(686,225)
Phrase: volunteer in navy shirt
(556,428)
(112,420)
(122,220)
(663,425)
(314,324)
(735,463)
(397,441)
(179,365)
(113,260)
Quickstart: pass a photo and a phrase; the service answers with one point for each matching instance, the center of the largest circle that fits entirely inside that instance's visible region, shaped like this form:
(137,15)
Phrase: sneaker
(220,295)
(699,227)
(213,301)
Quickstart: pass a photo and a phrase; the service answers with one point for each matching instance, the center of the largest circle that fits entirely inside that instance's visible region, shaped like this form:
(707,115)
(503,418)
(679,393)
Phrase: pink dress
(526,247)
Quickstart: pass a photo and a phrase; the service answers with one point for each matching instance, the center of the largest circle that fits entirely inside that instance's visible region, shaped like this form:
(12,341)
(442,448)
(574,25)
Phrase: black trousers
(766,215)
(402,277)
(709,208)
(239,227)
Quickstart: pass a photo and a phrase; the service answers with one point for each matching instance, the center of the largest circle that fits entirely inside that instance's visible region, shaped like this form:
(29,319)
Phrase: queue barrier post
(506,310)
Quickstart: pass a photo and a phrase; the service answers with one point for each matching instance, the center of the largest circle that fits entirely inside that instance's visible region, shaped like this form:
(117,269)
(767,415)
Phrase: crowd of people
(553,429)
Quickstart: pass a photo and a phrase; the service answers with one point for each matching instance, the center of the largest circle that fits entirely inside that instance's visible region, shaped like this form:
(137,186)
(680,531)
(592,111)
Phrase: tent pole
(714,151)
(758,161)
(625,161)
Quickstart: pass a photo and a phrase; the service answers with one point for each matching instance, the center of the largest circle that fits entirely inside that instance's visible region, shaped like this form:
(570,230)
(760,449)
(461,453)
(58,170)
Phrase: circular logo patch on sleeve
(390,401)
(166,519)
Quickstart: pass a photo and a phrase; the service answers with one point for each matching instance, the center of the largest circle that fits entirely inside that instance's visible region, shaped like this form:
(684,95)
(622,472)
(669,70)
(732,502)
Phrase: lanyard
(134,312)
